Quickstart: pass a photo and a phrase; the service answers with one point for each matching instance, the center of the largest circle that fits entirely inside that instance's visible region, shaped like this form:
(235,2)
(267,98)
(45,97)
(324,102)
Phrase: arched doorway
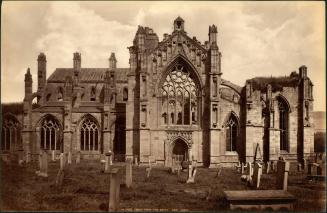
(180,150)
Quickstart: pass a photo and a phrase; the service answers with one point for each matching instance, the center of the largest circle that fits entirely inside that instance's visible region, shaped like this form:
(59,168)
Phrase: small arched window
(92,95)
(231,133)
(125,94)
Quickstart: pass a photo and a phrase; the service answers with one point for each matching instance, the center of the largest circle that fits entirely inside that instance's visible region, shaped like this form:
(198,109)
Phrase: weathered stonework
(172,100)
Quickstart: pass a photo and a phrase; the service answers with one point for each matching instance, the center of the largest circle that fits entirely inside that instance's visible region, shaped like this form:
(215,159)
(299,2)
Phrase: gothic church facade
(171,101)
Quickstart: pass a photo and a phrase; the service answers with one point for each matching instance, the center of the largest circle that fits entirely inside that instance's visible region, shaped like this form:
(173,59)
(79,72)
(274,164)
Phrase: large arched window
(179,98)
(50,132)
(89,133)
(11,135)
(231,133)
(283,123)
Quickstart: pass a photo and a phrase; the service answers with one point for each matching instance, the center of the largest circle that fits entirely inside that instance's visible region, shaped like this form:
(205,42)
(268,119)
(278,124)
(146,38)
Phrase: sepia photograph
(163,106)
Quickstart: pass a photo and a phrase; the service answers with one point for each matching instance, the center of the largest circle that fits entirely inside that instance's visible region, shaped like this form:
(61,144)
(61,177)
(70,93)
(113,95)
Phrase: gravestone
(108,160)
(62,161)
(304,164)
(148,172)
(267,167)
(114,190)
(250,173)
(299,167)
(59,178)
(129,170)
(219,169)
(242,168)
(69,157)
(283,168)
(53,155)
(78,157)
(257,174)
(27,157)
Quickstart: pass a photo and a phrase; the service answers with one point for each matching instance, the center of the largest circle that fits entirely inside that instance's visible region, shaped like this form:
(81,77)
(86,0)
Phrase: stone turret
(77,67)
(212,34)
(28,84)
(112,61)
(179,24)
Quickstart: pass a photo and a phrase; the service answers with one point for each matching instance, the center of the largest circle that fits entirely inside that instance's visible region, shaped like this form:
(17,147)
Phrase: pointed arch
(89,133)
(50,130)
(232,126)
(180,93)
(180,59)
(10,133)
(283,112)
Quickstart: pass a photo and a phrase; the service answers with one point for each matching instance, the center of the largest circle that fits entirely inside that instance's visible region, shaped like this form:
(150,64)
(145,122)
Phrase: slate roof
(87,74)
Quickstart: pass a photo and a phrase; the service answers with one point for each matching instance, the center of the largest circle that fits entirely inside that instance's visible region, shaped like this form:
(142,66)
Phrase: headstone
(27,157)
(114,190)
(62,161)
(299,167)
(250,173)
(78,157)
(53,155)
(148,172)
(59,178)
(44,170)
(129,174)
(69,157)
(304,164)
(283,168)
(257,174)
(136,160)
(267,167)
(219,169)
(242,168)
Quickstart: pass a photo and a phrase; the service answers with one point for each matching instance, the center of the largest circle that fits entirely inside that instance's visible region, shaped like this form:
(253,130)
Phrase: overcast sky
(255,38)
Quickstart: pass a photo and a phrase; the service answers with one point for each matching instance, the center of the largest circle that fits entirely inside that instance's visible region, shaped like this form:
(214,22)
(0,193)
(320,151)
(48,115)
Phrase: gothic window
(60,94)
(231,133)
(179,98)
(89,133)
(92,96)
(283,124)
(10,135)
(125,94)
(50,134)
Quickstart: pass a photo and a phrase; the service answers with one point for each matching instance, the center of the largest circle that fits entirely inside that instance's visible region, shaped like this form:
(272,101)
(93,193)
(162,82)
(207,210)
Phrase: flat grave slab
(260,199)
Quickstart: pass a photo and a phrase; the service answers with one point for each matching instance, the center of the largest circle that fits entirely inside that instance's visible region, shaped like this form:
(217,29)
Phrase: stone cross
(78,157)
(69,157)
(129,176)
(53,155)
(62,161)
(114,190)
(283,168)
(257,174)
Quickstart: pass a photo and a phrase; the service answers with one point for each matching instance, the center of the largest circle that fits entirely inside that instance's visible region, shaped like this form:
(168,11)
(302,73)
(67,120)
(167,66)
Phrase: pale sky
(255,38)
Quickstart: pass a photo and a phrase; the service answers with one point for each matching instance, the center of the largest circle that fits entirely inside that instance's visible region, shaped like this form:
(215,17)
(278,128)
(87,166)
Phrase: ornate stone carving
(185,135)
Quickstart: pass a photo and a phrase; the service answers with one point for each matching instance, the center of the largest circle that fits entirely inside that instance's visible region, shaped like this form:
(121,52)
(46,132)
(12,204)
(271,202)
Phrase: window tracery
(231,133)
(89,135)
(50,134)
(10,136)
(179,98)
(283,124)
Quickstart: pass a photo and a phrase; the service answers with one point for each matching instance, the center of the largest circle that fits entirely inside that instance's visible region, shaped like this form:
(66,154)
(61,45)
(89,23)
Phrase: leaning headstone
(257,175)
(129,174)
(114,190)
(283,168)
(53,155)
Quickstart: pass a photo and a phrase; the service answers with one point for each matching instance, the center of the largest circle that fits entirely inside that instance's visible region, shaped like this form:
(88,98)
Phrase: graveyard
(87,186)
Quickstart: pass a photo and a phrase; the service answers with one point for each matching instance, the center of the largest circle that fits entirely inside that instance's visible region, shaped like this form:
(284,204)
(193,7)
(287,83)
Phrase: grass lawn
(85,188)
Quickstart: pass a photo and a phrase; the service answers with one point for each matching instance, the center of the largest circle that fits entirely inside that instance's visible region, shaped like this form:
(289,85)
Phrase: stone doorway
(180,150)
